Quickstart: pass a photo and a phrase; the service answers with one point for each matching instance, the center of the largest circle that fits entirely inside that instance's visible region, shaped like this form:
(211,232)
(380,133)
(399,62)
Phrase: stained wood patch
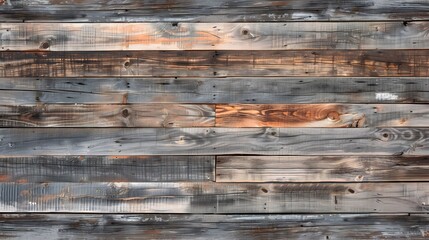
(176,197)
(214,141)
(321,168)
(140,115)
(212,36)
(35,169)
(333,63)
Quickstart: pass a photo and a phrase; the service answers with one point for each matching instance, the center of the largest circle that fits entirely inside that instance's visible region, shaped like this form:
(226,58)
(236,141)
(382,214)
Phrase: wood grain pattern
(212,11)
(162,197)
(340,63)
(270,90)
(214,141)
(321,168)
(213,36)
(35,169)
(322,115)
(136,115)
(202,227)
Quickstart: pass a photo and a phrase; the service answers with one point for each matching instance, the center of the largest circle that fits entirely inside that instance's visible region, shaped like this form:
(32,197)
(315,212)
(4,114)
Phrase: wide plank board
(136,115)
(213,227)
(339,63)
(321,168)
(211,11)
(212,36)
(269,90)
(214,141)
(35,169)
(163,197)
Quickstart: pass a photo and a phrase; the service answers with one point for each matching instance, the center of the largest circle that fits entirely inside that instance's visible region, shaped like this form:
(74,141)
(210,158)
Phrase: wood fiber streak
(321,168)
(270,90)
(333,63)
(214,141)
(162,197)
(35,169)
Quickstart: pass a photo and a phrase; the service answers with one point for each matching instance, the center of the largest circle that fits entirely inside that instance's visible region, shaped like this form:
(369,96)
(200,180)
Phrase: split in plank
(321,168)
(214,141)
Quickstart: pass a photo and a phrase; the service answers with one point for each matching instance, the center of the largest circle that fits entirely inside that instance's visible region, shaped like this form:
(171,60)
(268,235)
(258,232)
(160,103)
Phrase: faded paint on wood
(321,168)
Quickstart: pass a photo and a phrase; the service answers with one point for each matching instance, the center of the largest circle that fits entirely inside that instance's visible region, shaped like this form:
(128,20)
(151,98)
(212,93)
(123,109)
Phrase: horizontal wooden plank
(324,63)
(322,115)
(212,36)
(162,197)
(214,141)
(136,115)
(209,11)
(321,168)
(17,91)
(34,169)
(202,227)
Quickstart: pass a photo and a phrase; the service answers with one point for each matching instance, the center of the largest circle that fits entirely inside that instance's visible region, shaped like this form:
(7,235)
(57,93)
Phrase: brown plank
(214,141)
(322,115)
(212,36)
(35,169)
(365,63)
(136,115)
(210,226)
(321,168)
(185,197)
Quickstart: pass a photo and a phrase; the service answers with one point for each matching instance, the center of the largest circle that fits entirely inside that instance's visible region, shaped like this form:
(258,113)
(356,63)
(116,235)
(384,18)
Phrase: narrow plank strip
(185,197)
(202,227)
(214,141)
(34,169)
(322,115)
(352,63)
(136,115)
(213,36)
(321,168)
(212,11)
(269,90)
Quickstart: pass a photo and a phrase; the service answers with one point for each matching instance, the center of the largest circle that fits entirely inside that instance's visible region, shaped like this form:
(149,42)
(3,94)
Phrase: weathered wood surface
(321,115)
(212,11)
(136,115)
(272,90)
(213,36)
(340,63)
(202,227)
(34,169)
(206,197)
(321,168)
(214,141)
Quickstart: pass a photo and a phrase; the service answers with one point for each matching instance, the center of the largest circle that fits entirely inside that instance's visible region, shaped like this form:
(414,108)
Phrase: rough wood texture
(161,197)
(214,141)
(365,63)
(321,168)
(106,169)
(140,115)
(213,36)
(16,91)
(212,11)
(202,227)
(322,115)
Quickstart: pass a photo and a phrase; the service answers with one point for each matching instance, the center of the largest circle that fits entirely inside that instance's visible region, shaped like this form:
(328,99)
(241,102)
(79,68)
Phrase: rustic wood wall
(211,119)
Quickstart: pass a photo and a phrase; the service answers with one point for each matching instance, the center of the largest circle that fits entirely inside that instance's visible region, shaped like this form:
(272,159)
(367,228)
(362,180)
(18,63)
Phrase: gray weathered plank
(83,115)
(202,227)
(33,169)
(214,141)
(321,168)
(209,197)
(213,36)
(270,90)
(212,11)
